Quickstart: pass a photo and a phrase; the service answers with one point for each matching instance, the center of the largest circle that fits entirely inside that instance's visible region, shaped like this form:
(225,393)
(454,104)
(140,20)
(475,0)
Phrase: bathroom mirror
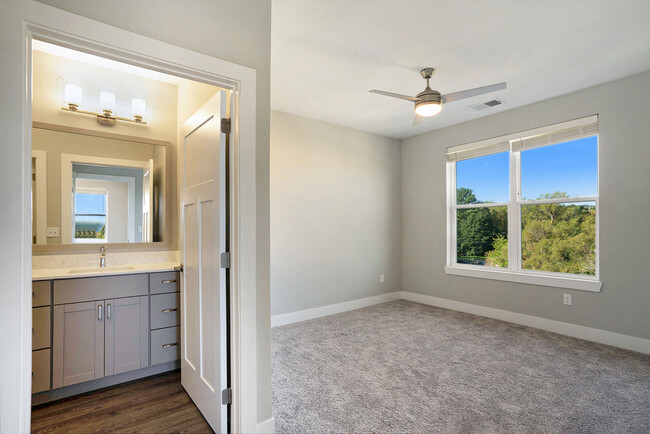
(92,188)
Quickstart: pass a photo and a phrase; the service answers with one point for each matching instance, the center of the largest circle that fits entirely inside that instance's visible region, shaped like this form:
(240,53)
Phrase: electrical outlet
(52,232)
(381,278)
(567,299)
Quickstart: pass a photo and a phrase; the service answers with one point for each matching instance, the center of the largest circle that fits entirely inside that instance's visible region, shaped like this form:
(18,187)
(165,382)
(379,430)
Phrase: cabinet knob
(169,310)
(169,345)
(99,312)
(169,281)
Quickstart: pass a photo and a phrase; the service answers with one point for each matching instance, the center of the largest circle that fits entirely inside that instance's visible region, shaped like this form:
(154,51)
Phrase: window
(90,216)
(524,207)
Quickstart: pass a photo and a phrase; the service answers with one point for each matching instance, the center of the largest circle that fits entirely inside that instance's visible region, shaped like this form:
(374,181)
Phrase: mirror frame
(63,249)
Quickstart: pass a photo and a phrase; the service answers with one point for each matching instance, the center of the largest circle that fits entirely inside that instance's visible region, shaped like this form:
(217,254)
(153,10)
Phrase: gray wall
(335,213)
(623,305)
(236,31)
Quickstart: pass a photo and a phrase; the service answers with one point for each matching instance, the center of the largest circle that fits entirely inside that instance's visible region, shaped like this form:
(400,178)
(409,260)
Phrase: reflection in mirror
(116,189)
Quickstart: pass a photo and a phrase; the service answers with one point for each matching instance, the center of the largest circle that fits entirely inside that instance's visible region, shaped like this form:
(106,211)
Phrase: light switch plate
(52,232)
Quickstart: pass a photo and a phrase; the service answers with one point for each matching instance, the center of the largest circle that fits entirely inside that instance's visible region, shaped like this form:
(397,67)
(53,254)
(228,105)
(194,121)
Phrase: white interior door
(203,229)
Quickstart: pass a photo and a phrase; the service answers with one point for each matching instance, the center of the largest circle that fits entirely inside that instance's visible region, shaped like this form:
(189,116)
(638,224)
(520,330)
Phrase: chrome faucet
(102,256)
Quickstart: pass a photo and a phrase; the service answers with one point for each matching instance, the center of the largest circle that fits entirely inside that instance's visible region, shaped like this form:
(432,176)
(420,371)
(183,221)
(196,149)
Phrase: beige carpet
(407,367)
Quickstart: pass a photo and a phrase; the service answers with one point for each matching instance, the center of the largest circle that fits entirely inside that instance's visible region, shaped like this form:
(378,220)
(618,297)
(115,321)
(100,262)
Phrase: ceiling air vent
(487,104)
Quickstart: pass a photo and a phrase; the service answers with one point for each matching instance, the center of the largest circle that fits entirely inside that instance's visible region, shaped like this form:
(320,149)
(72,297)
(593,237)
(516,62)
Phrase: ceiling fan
(429,102)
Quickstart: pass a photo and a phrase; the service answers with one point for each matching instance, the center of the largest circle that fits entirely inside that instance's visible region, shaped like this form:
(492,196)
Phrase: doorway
(104,180)
(183,63)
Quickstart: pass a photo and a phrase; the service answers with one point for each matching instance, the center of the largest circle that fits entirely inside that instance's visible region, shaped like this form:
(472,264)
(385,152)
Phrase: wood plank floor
(157,404)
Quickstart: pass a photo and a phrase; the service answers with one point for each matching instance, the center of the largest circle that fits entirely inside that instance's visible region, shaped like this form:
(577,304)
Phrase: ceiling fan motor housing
(428,96)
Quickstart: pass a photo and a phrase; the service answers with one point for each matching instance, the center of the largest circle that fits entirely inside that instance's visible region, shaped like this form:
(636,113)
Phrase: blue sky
(90,203)
(570,167)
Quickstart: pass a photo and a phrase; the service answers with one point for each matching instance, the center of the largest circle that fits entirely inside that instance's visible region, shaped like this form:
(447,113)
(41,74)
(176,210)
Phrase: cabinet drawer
(40,328)
(165,310)
(40,370)
(165,345)
(99,288)
(164,282)
(41,294)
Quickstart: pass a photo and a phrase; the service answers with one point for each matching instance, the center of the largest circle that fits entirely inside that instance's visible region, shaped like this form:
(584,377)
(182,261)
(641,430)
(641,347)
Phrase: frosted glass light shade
(430,109)
(138,108)
(106,102)
(72,95)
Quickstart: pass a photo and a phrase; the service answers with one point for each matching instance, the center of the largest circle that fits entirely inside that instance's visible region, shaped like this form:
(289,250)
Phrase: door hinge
(225,260)
(225,125)
(226,396)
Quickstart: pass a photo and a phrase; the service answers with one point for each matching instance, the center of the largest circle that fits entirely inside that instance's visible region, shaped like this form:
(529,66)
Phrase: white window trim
(514,273)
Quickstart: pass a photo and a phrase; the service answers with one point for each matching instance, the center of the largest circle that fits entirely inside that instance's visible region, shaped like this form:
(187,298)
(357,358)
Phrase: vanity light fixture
(72,96)
(107,103)
(138,108)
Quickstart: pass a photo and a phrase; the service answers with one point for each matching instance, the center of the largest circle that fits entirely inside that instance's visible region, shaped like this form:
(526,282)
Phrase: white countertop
(72,273)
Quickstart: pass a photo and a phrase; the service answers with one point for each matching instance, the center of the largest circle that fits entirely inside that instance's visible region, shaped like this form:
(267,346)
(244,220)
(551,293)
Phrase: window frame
(514,272)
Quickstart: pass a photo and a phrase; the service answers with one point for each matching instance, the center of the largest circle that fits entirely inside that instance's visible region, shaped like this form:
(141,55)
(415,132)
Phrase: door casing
(73,31)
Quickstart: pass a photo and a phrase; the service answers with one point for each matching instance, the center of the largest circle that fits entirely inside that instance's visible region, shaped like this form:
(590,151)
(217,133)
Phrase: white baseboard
(266,427)
(317,312)
(577,331)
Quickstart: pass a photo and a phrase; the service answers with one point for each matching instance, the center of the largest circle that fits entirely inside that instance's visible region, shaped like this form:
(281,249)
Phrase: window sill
(579,283)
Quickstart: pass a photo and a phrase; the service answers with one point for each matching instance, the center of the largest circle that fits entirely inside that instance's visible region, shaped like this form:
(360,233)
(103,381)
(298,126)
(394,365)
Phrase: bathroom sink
(88,270)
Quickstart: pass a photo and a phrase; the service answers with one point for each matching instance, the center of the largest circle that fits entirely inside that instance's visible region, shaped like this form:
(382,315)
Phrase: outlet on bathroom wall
(52,232)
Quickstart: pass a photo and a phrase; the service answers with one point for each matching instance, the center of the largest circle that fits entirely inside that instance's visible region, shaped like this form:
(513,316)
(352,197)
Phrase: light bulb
(72,95)
(428,109)
(107,103)
(138,109)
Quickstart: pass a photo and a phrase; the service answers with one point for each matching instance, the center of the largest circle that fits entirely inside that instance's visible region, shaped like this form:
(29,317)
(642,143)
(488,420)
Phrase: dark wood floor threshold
(154,404)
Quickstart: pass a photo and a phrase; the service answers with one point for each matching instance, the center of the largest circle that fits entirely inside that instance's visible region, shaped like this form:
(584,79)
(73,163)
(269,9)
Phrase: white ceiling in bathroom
(326,55)
(79,56)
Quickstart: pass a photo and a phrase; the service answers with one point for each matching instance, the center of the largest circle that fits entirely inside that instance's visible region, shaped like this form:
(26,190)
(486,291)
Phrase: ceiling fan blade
(417,120)
(455,96)
(394,95)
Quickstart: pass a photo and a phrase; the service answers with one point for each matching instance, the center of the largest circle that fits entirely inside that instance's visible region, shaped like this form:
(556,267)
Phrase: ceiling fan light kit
(429,102)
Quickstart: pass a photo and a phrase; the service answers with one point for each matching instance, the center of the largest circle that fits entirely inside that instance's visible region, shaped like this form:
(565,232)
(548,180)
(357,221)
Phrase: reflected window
(90,216)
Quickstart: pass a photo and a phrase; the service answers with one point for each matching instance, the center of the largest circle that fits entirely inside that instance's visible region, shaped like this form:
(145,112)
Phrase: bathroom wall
(162,103)
(48,97)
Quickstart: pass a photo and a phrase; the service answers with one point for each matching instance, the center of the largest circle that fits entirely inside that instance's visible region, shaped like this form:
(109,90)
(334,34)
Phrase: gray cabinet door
(78,347)
(126,333)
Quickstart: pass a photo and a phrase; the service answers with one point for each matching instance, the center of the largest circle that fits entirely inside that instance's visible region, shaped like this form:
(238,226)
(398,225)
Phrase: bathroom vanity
(94,328)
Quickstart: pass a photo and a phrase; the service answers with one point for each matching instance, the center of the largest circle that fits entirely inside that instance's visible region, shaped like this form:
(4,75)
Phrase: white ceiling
(80,56)
(326,55)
